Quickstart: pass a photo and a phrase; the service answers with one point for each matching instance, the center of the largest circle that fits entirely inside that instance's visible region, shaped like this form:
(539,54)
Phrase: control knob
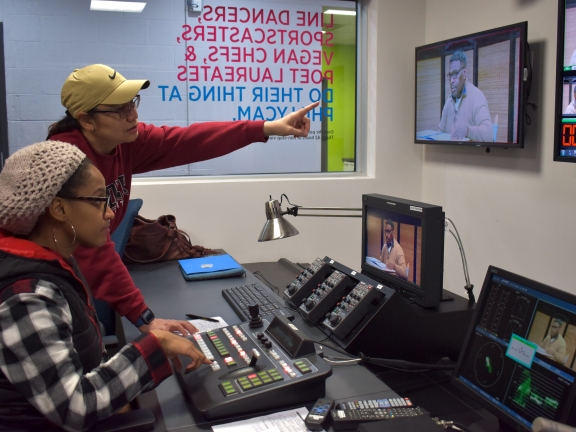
(309,304)
(268,344)
(334,320)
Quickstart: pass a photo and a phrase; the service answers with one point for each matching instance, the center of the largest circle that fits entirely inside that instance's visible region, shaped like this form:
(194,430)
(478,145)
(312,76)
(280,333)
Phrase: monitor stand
(446,296)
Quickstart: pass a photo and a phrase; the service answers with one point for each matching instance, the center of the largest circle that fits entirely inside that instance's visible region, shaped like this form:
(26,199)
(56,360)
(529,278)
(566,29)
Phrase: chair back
(107,315)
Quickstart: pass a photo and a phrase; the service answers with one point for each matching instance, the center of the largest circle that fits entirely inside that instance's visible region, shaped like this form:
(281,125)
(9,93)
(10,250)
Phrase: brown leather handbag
(153,241)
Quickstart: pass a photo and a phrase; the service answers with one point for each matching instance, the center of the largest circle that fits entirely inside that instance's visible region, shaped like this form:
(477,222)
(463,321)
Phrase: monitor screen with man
(554,344)
(465,114)
(392,253)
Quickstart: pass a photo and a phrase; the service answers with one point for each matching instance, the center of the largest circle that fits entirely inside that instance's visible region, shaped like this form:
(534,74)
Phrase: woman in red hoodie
(53,371)
(102,120)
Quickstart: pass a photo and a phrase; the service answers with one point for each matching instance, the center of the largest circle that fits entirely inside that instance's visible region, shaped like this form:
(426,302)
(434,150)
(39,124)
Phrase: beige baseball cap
(98,84)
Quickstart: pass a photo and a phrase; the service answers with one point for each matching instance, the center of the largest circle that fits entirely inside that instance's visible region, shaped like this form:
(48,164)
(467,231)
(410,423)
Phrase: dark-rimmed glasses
(124,110)
(452,75)
(105,199)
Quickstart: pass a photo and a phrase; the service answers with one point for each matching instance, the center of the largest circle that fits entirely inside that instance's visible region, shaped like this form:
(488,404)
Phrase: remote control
(375,403)
(318,414)
(351,418)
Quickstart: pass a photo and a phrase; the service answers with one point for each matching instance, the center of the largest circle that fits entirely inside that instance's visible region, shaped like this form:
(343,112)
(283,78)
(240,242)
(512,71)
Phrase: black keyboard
(241,296)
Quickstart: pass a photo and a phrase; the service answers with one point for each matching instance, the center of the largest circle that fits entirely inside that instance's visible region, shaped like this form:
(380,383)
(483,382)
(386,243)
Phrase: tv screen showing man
(469,90)
(465,114)
(394,244)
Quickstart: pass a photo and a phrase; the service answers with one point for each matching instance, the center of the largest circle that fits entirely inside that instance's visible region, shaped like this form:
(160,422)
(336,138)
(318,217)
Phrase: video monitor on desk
(403,246)
(472,90)
(518,359)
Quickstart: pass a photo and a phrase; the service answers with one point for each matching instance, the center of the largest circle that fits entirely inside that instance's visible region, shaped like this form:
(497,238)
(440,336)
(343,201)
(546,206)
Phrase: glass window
(233,60)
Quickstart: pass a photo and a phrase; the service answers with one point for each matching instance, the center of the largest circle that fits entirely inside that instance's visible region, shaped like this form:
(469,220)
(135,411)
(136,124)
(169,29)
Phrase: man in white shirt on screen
(465,113)
(571,108)
(554,344)
(392,254)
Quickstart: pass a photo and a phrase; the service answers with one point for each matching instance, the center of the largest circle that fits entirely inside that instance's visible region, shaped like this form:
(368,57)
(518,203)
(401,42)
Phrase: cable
(529,85)
(468,287)
(261,277)
(445,424)
(403,364)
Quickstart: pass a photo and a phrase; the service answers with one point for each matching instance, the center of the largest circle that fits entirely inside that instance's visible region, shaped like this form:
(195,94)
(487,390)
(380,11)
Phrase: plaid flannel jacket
(37,356)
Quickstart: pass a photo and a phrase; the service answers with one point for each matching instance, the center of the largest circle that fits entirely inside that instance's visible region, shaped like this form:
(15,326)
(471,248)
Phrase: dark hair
(389,222)
(66,124)
(459,56)
(76,180)
(560,319)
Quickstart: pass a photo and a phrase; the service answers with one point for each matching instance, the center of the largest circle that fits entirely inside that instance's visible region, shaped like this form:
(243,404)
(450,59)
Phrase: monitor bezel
(560,81)
(429,292)
(567,415)
(523,87)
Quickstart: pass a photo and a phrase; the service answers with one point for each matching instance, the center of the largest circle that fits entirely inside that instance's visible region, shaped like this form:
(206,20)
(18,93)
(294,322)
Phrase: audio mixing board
(256,365)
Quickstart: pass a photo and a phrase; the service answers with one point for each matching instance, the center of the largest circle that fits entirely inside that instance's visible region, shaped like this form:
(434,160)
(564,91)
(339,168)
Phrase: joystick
(255,320)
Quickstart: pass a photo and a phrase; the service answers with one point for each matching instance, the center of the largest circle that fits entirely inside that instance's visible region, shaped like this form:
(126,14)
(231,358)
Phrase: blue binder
(210,267)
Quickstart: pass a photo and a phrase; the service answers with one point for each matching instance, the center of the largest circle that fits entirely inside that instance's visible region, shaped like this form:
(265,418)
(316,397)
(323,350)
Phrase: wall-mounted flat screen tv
(565,131)
(472,90)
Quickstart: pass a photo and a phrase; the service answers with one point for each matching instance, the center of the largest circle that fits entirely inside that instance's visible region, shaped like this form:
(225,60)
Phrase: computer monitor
(472,90)
(403,246)
(518,357)
(565,120)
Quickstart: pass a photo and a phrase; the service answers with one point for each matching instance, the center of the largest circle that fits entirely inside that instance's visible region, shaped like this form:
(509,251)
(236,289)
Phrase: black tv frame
(429,292)
(507,421)
(561,75)
(524,81)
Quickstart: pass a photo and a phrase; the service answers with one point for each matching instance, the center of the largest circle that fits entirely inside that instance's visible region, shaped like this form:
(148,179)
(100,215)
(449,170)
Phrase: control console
(308,280)
(351,309)
(323,298)
(256,366)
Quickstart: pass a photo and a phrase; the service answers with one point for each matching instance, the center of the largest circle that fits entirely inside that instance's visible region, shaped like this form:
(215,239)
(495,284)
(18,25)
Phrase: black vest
(16,413)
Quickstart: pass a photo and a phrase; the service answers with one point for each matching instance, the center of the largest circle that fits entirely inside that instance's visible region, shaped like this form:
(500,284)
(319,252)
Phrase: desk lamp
(276,227)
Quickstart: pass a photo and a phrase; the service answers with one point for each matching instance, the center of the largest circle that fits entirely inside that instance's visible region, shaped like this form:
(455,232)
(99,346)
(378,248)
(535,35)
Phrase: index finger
(191,329)
(307,109)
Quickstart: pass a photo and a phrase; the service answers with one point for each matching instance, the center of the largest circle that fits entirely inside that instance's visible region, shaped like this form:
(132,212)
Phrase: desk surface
(170,296)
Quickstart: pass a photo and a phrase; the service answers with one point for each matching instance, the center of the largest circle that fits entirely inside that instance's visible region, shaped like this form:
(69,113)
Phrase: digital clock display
(568,137)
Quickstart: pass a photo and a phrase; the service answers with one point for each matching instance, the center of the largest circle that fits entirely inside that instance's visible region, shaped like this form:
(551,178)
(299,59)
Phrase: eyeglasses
(124,110)
(105,199)
(387,231)
(452,75)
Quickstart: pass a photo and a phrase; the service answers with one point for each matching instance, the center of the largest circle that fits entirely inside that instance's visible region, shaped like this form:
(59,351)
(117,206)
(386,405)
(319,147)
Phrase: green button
(247,386)
(232,363)
(256,382)
(277,378)
(267,380)
(243,380)
(305,370)
(263,374)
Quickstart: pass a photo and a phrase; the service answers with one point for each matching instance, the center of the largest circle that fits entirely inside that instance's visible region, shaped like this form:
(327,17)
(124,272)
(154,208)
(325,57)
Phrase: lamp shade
(276,227)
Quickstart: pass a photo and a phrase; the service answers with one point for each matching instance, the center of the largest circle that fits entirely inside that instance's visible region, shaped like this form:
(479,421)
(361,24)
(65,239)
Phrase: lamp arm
(295,211)
(469,287)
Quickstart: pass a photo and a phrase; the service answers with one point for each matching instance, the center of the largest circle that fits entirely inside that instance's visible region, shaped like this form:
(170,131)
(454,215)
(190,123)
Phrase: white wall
(513,208)
(229,214)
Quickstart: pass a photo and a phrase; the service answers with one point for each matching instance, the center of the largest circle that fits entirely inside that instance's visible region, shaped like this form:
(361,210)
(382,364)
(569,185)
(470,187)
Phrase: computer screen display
(471,90)
(518,358)
(403,246)
(565,121)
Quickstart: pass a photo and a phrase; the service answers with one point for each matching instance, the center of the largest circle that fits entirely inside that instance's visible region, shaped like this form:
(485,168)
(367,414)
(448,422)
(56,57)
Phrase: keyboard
(241,296)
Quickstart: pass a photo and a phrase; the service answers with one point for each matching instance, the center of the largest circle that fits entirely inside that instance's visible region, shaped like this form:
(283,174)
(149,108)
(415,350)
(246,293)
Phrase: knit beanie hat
(30,180)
